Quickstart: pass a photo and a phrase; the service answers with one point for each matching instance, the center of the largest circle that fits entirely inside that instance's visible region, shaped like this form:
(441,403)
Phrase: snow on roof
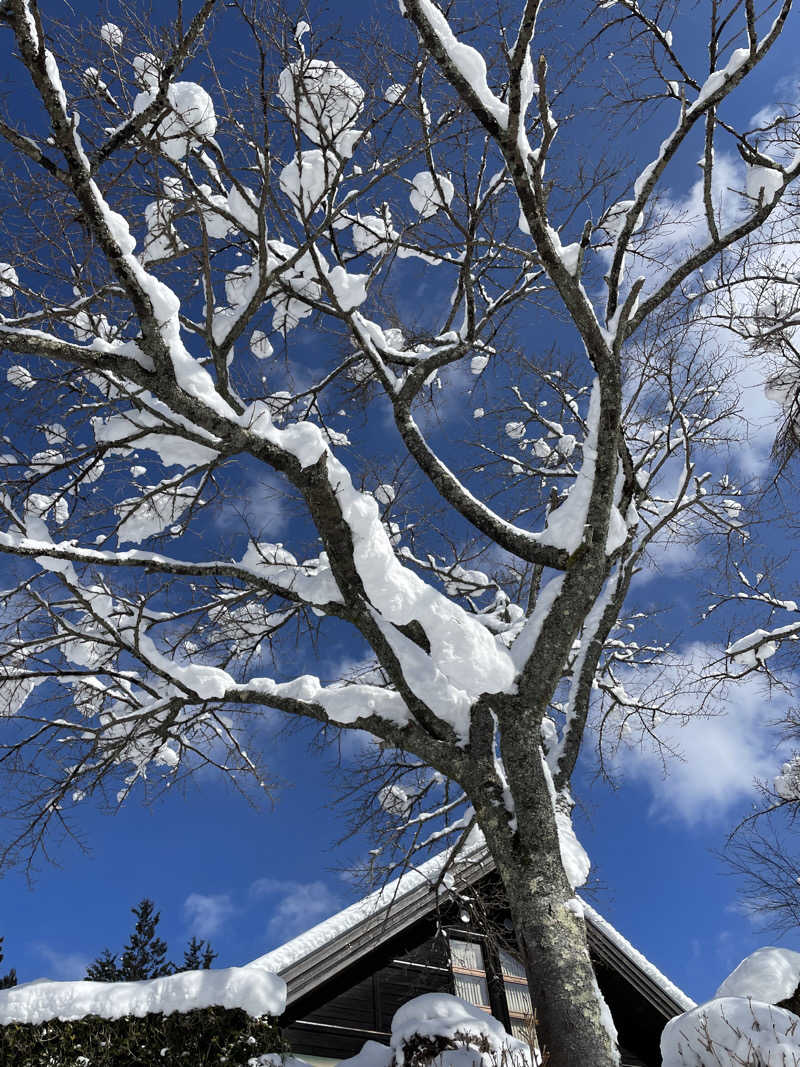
(372,905)
(289,959)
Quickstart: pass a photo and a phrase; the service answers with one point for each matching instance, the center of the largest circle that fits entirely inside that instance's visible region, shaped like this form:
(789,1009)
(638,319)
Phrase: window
(518,997)
(469,973)
(471,983)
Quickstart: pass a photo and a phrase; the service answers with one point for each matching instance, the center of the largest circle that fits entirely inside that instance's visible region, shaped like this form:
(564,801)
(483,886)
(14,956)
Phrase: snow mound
(254,989)
(372,1054)
(440,1015)
(732,1032)
(769,974)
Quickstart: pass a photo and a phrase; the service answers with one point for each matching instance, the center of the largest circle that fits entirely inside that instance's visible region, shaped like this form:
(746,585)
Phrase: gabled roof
(334,944)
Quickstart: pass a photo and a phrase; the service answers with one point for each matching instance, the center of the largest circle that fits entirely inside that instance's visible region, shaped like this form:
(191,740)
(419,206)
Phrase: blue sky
(249,879)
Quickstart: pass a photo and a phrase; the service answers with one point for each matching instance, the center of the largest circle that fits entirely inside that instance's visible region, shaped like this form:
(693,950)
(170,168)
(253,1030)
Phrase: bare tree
(386,246)
(761,851)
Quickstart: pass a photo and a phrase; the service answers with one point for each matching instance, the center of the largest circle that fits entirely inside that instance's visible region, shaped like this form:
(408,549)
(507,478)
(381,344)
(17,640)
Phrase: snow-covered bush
(450,1032)
(747,1024)
(440,1030)
(205,1036)
(202,1017)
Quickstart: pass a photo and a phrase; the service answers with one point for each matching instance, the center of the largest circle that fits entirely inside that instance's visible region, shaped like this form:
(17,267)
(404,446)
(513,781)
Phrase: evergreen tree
(198,955)
(10,979)
(145,954)
(105,968)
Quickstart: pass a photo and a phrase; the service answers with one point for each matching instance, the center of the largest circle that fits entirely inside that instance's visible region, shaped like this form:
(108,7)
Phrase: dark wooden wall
(357,1004)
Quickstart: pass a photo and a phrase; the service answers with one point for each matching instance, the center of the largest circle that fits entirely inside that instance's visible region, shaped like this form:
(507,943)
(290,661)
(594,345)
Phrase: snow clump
(763,181)
(787,783)
(306,180)
(241,206)
(192,117)
(20,377)
(394,799)
(260,345)
(152,514)
(429,193)
(373,235)
(615,217)
(325,99)
(8,279)
(752,650)
(111,35)
(147,69)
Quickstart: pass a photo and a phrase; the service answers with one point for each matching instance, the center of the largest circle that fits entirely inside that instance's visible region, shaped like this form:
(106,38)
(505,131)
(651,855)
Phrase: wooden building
(348,975)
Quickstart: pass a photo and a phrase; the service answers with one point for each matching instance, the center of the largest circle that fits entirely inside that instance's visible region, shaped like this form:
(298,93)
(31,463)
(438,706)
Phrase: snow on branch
(312,406)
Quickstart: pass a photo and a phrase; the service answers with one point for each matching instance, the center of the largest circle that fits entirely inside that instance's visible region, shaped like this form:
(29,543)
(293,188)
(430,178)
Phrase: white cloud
(754,911)
(206,914)
(681,230)
(297,905)
(747,372)
(63,966)
(262,505)
(690,231)
(718,757)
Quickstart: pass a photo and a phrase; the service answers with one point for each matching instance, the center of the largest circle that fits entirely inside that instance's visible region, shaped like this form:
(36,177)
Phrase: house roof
(334,944)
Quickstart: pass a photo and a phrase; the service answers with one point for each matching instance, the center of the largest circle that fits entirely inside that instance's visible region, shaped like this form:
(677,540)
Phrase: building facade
(347,976)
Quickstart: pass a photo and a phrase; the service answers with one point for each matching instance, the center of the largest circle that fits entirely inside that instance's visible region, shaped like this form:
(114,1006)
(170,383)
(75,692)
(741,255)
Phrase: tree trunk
(568,1008)
(570,1014)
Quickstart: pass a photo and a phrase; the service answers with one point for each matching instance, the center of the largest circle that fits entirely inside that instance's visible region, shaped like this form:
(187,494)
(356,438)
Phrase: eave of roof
(334,944)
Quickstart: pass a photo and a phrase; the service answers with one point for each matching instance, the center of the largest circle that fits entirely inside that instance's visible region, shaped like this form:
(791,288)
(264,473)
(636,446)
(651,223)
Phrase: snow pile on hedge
(465,1034)
(769,974)
(741,1026)
(253,989)
(434,1027)
(732,1032)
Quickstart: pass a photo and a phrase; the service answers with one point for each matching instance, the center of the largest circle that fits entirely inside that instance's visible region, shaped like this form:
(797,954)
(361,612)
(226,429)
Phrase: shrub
(204,1037)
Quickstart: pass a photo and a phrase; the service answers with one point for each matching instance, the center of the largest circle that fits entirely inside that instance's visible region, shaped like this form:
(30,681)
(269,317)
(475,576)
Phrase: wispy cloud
(205,915)
(681,228)
(718,757)
(63,966)
(295,905)
(262,505)
(755,912)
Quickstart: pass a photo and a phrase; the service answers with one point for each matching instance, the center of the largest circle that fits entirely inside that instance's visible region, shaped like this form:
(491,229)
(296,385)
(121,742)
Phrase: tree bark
(566,1000)
(550,928)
